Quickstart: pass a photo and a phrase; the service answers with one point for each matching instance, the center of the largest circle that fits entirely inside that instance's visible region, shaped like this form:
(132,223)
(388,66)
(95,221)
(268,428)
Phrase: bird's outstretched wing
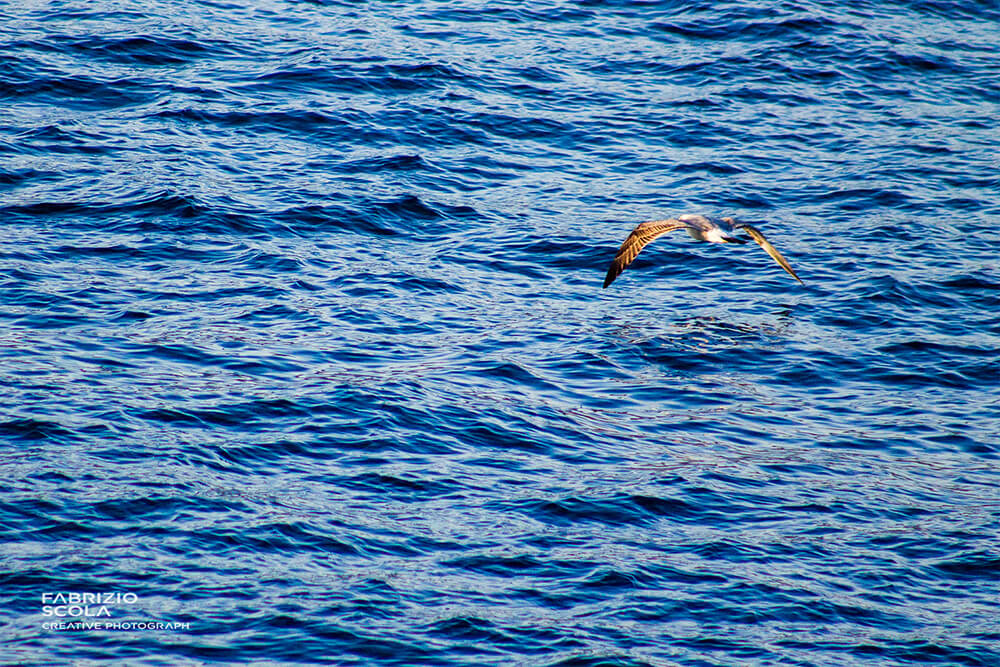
(640,237)
(769,249)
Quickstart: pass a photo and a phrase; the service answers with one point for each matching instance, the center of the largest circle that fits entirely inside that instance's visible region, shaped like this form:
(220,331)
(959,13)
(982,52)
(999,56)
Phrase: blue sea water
(305,357)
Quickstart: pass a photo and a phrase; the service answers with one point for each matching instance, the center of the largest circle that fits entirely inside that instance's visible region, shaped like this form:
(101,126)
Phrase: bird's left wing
(640,237)
(769,249)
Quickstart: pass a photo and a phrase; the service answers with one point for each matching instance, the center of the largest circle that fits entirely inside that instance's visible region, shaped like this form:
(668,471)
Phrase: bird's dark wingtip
(610,277)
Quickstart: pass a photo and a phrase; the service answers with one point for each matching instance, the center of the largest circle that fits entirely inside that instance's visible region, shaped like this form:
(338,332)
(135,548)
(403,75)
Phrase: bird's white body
(710,236)
(704,229)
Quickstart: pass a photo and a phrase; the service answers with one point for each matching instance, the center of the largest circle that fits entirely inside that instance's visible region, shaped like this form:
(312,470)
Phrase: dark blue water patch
(477,635)
(284,537)
(79,91)
(277,314)
(984,291)
(901,650)
(623,510)
(406,215)
(855,199)
(922,352)
(442,125)
(970,567)
(565,255)
(15,177)
(518,127)
(53,139)
(399,489)
(390,163)
(485,15)
(192,418)
(410,209)
(384,79)
(601,661)
(413,126)
(716,27)
(908,294)
(150,50)
(309,123)
(978,10)
(112,253)
(196,357)
(331,215)
(273,455)
(520,566)
(527,271)
(874,369)
(31,429)
(156,202)
(717,168)
(484,166)
(457,428)
(965,443)
(42,311)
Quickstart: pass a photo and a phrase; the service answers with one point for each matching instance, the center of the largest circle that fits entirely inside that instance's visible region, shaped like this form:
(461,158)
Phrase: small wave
(401,78)
(77,90)
(29,429)
(721,26)
(155,50)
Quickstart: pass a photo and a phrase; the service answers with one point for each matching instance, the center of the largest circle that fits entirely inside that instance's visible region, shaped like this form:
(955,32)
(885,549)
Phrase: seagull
(700,228)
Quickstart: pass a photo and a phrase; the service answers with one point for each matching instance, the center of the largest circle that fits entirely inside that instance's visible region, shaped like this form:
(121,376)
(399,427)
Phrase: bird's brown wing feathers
(770,249)
(640,237)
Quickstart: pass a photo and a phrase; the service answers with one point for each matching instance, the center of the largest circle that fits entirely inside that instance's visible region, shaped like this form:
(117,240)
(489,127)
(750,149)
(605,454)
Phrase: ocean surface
(306,360)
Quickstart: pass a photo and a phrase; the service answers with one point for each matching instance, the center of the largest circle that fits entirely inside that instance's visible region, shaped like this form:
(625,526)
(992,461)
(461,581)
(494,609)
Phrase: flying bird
(700,228)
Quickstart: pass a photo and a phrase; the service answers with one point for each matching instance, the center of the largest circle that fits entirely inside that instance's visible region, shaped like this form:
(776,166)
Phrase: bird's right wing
(640,237)
(769,249)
